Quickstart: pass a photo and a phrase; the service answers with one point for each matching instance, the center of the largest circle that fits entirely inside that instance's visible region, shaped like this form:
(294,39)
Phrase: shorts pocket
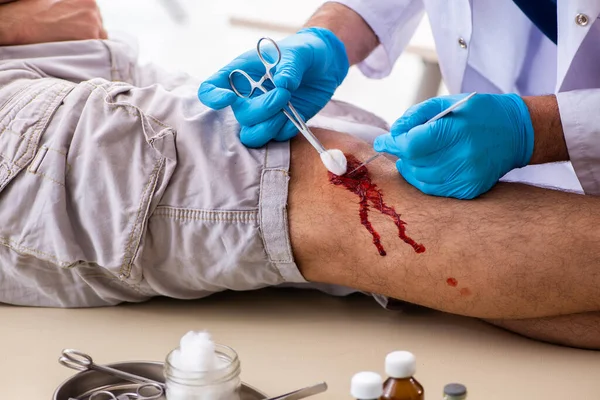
(50,164)
(23,119)
(101,169)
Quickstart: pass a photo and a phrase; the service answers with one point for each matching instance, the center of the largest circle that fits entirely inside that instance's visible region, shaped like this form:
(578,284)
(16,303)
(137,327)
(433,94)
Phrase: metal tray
(81,385)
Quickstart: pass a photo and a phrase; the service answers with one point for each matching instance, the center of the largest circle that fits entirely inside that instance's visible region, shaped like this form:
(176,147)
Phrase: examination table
(290,338)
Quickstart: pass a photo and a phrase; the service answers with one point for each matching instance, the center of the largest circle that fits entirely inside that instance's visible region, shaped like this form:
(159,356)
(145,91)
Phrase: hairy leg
(517,252)
(575,330)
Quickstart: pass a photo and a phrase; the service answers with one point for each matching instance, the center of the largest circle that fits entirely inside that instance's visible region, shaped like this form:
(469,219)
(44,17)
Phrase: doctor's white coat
(491,46)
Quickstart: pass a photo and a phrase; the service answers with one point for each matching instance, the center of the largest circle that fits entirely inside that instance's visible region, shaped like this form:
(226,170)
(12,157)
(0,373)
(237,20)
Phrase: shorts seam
(128,257)
(36,129)
(46,177)
(14,96)
(189,214)
(42,91)
(13,245)
(108,276)
(39,127)
(62,153)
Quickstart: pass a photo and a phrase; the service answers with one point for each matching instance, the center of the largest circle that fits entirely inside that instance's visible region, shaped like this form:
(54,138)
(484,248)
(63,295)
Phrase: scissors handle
(295,117)
(261,54)
(157,389)
(269,65)
(253,84)
(106,396)
(75,360)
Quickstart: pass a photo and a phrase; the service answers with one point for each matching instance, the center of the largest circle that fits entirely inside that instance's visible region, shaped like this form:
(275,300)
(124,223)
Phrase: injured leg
(517,252)
(575,330)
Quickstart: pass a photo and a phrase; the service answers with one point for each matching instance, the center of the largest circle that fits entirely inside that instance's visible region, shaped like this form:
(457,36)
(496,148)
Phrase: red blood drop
(359,183)
(452,282)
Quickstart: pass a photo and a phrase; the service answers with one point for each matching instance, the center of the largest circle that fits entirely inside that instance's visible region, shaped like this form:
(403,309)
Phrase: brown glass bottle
(400,366)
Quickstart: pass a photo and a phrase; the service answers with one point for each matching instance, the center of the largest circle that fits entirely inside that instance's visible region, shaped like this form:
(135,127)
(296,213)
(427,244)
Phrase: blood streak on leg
(359,183)
(452,282)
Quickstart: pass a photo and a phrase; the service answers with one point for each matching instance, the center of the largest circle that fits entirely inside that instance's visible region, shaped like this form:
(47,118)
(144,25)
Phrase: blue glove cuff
(339,57)
(527,133)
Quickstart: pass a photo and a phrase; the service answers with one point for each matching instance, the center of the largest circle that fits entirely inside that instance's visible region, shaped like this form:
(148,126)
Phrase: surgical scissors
(296,119)
(138,395)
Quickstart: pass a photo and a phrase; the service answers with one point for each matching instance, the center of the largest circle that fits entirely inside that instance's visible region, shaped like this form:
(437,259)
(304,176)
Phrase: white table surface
(289,339)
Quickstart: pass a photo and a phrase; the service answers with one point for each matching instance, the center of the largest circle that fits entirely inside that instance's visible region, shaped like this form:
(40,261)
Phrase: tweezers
(302,393)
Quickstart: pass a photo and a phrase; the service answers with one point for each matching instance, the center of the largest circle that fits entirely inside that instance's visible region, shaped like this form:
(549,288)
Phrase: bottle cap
(366,386)
(400,365)
(455,390)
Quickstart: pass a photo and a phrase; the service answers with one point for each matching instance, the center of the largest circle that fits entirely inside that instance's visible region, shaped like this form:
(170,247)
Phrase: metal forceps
(294,116)
(82,362)
(302,393)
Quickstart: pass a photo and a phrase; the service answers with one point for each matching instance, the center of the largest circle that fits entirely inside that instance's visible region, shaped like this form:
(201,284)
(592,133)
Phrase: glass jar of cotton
(199,369)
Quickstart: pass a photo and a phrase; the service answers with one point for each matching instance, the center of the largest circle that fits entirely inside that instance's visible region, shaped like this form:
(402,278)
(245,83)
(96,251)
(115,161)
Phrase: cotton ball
(335,161)
(196,353)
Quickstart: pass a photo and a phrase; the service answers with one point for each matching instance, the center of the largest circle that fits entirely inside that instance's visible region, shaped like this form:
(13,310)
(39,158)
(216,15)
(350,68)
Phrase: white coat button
(462,43)
(582,19)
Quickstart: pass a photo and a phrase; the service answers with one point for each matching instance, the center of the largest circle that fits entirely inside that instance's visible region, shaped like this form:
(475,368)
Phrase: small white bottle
(366,386)
(455,391)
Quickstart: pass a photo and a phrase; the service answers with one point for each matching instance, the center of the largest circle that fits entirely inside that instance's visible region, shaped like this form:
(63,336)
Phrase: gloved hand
(465,153)
(313,64)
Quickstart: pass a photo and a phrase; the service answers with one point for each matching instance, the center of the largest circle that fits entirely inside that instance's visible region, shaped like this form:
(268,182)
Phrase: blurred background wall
(199,37)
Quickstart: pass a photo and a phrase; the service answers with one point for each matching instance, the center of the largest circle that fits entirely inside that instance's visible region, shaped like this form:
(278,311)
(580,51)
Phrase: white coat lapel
(572,30)
(500,41)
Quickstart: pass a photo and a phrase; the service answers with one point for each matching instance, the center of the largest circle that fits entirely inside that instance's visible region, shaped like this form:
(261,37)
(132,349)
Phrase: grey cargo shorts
(118,185)
(112,192)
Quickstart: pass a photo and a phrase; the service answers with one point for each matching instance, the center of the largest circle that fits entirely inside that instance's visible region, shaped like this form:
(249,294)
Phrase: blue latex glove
(465,153)
(313,64)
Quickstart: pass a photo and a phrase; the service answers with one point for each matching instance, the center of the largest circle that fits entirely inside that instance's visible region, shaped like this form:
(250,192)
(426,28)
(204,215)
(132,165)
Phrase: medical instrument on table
(295,117)
(82,385)
(302,393)
(77,360)
(157,393)
(435,118)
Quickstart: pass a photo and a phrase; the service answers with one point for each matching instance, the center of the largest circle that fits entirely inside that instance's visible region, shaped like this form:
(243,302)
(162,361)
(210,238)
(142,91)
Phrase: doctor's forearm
(349,27)
(549,140)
